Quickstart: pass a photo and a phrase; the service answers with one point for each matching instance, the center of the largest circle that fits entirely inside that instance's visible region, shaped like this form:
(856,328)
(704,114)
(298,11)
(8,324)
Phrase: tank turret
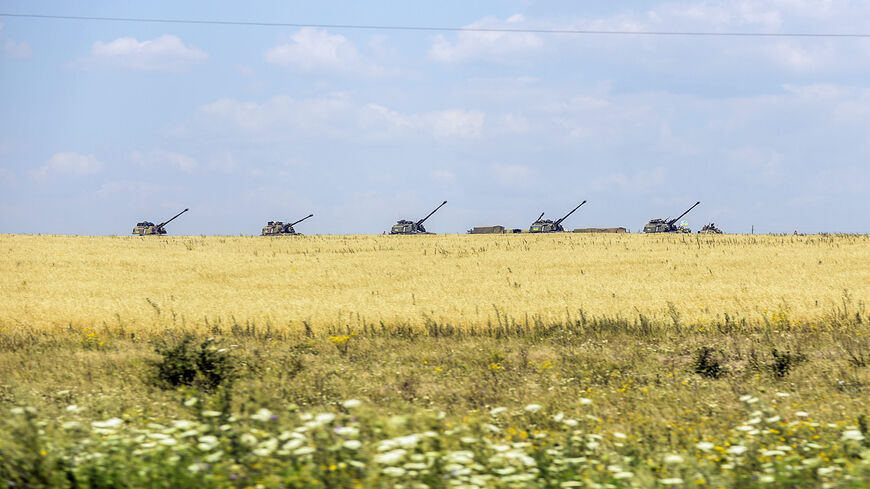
(148,228)
(404,226)
(668,225)
(278,228)
(710,229)
(547,226)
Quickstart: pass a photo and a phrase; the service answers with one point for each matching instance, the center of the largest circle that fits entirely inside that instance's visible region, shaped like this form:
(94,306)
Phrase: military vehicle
(411,227)
(148,228)
(278,228)
(710,229)
(601,230)
(542,225)
(493,230)
(668,225)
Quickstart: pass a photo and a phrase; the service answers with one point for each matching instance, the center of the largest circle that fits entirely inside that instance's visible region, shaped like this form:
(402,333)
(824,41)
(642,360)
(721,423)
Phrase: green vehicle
(542,225)
(148,228)
(710,229)
(278,228)
(668,225)
(411,227)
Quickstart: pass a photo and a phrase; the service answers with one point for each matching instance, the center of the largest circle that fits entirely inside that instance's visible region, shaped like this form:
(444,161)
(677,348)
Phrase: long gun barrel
(433,212)
(568,214)
(540,217)
(173,218)
(683,214)
(300,220)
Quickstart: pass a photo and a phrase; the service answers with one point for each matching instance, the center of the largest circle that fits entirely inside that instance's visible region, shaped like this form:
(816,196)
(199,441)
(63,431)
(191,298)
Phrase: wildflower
(497,411)
(390,457)
(737,450)
(109,423)
(673,459)
(585,401)
(801,414)
(853,435)
(352,444)
(324,418)
(533,408)
(783,394)
(621,436)
(672,481)
(262,415)
(351,403)
(623,475)
(191,402)
(705,446)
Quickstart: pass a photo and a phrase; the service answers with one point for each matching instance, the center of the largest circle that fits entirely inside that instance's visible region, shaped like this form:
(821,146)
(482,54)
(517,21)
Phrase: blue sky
(103,124)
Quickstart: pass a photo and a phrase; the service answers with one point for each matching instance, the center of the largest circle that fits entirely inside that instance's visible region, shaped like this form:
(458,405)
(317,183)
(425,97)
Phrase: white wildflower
(783,394)
(324,418)
(352,444)
(351,403)
(852,435)
(497,411)
(584,401)
(623,475)
(672,481)
(109,423)
(262,415)
(673,459)
(72,408)
(705,446)
(533,408)
(210,414)
(737,450)
(390,457)
(621,436)
(801,414)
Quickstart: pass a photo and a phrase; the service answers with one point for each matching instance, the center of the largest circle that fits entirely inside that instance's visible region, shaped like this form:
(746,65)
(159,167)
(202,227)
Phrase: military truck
(148,228)
(493,230)
(601,230)
(668,225)
(710,229)
(410,227)
(278,228)
(542,225)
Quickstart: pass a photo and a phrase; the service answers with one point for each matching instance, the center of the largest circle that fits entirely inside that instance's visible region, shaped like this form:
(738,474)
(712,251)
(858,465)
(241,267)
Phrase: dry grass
(149,284)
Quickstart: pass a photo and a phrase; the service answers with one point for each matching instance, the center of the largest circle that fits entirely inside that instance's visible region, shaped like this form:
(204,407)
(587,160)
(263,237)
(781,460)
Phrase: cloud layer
(165,53)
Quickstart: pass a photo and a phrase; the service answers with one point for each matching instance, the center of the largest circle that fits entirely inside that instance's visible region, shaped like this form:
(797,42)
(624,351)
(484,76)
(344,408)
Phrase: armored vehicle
(542,225)
(710,229)
(601,230)
(148,228)
(668,225)
(278,228)
(493,230)
(411,227)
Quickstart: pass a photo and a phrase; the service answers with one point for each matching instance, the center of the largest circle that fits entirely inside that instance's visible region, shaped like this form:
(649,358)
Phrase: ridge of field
(149,284)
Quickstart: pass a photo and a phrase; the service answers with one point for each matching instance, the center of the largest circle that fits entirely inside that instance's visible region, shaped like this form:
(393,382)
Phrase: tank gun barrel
(430,214)
(172,218)
(540,217)
(683,214)
(300,220)
(568,214)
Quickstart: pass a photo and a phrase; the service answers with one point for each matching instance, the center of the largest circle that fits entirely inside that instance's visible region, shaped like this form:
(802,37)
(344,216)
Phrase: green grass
(610,401)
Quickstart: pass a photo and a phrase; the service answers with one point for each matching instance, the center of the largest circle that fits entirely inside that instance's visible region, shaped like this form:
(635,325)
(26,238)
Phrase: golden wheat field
(152,283)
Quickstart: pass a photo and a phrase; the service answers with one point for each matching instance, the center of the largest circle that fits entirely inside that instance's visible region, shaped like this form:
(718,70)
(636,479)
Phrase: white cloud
(512,175)
(7,177)
(12,49)
(165,53)
(313,50)
(69,163)
(455,123)
(337,115)
(159,158)
(477,45)
(445,176)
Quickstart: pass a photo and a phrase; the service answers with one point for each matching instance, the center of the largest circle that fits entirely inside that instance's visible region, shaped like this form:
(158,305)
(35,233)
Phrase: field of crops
(558,360)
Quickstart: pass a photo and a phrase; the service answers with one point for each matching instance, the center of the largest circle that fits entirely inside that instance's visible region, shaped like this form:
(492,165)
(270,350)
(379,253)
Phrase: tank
(710,229)
(148,228)
(410,227)
(278,228)
(542,225)
(668,225)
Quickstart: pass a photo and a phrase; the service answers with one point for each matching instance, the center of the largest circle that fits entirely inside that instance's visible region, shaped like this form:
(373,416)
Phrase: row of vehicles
(404,226)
